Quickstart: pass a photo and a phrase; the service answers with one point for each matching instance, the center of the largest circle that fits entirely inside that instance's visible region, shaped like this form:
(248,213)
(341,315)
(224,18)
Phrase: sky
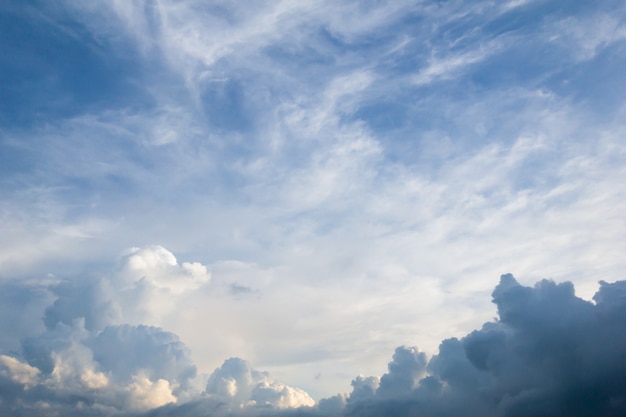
(211,205)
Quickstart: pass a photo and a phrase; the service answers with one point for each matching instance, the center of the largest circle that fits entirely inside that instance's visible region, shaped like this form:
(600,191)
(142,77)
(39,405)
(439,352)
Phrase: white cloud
(453,64)
(18,371)
(121,368)
(513,4)
(236,382)
(587,36)
(74,370)
(158,266)
(145,394)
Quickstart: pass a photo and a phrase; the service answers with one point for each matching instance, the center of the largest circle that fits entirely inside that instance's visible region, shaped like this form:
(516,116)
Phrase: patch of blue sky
(315,57)
(226,106)
(53,68)
(530,63)
(597,84)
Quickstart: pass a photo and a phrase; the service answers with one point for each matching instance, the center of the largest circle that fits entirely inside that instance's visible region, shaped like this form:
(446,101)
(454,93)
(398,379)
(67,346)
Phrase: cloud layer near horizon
(549,353)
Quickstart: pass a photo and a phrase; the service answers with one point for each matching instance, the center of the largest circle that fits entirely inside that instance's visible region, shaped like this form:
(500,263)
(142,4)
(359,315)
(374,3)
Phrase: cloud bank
(549,353)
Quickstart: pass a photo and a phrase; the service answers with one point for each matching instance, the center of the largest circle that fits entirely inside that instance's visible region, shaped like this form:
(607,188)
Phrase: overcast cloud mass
(281,208)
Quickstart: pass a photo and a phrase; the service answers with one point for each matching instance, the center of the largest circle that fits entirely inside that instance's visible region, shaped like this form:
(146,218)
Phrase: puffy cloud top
(237,383)
(159,267)
(405,370)
(143,290)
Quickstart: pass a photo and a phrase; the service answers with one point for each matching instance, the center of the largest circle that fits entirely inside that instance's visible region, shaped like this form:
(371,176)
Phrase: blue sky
(304,185)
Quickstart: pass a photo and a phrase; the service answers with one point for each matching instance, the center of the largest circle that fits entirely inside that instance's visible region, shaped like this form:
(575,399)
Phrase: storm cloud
(550,353)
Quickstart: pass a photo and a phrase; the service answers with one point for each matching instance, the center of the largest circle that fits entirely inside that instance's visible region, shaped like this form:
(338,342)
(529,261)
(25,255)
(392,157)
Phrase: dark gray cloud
(549,354)
(406,368)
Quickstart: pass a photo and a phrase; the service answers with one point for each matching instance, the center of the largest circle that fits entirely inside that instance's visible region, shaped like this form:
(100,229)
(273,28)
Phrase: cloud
(548,352)
(405,370)
(159,268)
(241,386)
(84,351)
(589,36)
(19,372)
(120,368)
(143,290)
(146,394)
(149,351)
(85,354)
(22,307)
(292,138)
(450,66)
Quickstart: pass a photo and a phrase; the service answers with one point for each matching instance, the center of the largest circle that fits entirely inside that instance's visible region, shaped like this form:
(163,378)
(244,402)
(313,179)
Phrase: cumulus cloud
(239,384)
(142,290)
(122,368)
(363,388)
(86,356)
(235,388)
(549,353)
(85,350)
(146,394)
(158,267)
(150,352)
(405,370)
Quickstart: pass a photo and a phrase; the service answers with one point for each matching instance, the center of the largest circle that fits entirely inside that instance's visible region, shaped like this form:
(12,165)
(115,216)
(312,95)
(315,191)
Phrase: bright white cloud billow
(236,382)
(302,187)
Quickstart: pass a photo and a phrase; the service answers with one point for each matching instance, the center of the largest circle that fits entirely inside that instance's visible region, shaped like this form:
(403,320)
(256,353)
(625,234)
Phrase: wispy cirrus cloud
(450,66)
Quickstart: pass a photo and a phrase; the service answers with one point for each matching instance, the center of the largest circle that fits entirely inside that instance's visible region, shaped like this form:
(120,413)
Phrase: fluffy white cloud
(120,368)
(145,289)
(74,370)
(145,394)
(242,386)
(158,267)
